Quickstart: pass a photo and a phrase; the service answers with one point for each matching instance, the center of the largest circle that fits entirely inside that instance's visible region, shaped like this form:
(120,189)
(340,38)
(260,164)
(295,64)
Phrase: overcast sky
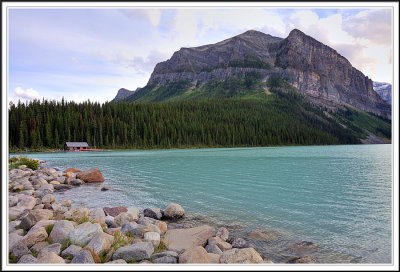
(91,53)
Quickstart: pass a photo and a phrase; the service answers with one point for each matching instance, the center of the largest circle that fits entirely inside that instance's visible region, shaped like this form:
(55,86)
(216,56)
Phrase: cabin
(76,146)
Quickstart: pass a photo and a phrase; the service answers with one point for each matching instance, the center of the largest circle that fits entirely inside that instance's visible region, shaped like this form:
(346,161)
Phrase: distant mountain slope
(242,64)
(122,93)
(384,90)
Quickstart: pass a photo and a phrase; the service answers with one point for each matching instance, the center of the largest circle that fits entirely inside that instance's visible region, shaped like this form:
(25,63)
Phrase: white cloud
(154,16)
(29,94)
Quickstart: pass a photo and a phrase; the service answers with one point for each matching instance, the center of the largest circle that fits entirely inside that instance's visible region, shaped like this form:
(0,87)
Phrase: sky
(88,53)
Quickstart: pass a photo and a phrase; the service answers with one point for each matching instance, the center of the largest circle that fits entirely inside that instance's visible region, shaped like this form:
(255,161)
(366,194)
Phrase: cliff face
(319,71)
(311,67)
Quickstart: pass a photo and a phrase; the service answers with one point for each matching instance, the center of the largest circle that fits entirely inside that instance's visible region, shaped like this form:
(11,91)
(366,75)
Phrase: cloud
(373,25)
(154,16)
(145,65)
(30,93)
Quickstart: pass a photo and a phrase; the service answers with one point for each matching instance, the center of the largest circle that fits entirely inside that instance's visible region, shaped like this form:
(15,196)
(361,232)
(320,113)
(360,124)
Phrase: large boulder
(195,254)
(34,236)
(243,255)
(44,223)
(162,226)
(123,218)
(49,198)
(174,211)
(84,232)
(76,214)
(36,248)
(91,175)
(172,254)
(61,230)
(135,252)
(114,211)
(101,243)
(152,237)
(213,249)
(133,229)
(46,256)
(42,214)
(182,239)
(25,202)
(97,215)
(165,259)
(155,213)
(83,256)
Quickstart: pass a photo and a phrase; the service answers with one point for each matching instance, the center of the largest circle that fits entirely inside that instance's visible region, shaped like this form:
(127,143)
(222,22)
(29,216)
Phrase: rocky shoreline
(42,230)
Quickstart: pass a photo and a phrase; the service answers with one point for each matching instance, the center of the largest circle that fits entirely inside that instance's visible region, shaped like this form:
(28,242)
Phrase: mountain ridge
(311,67)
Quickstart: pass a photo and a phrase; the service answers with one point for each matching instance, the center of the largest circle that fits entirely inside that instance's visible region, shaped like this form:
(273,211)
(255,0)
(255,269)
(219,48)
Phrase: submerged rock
(182,239)
(174,211)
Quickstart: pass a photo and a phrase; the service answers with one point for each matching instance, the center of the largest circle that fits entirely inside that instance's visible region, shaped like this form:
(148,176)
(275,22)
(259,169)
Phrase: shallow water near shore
(338,197)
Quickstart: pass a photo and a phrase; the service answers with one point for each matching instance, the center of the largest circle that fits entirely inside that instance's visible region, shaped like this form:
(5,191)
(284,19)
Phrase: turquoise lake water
(339,197)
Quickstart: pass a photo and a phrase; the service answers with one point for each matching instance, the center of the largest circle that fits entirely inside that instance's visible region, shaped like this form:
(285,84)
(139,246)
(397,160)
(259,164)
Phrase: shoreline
(39,221)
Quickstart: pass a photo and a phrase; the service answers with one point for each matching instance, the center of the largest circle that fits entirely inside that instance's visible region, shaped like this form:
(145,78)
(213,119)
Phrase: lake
(339,197)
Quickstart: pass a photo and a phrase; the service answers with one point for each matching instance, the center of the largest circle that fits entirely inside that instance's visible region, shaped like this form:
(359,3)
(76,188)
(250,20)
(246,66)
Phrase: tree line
(282,120)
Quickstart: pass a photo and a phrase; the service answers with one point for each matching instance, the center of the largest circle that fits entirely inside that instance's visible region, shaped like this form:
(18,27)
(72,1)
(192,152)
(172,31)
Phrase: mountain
(122,93)
(384,90)
(246,62)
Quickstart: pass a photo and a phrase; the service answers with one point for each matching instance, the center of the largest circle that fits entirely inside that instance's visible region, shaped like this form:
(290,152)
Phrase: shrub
(30,163)
(12,159)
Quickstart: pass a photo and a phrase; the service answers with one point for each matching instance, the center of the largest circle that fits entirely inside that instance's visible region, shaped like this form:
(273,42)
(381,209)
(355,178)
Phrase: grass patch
(66,244)
(102,256)
(12,258)
(121,240)
(49,228)
(83,220)
(161,247)
(35,254)
(14,162)
(132,262)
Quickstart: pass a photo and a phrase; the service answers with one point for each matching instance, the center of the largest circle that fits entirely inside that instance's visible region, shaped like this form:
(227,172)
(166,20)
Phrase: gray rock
(12,201)
(220,243)
(165,254)
(110,221)
(222,233)
(56,248)
(20,232)
(84,256)
(135,252)
(174,211)
(243,255)
(101,243)
(133,229)
(119,261)
(239,243)
(166,259)
(182,239)
(13,225)
(77,182)
(34,236)
(213,249)
(84,232)
(195,254)
(13,240)
(71,251)
(123,218)
(155,213)
(46,256)
(49,198)
(152,237)
(20,250)
(97,215)
(27,259)
(146,221)
(61,231)
(39,246)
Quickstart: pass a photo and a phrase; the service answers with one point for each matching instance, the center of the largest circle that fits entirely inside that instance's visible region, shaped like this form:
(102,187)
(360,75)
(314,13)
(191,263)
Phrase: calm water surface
(336,196)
